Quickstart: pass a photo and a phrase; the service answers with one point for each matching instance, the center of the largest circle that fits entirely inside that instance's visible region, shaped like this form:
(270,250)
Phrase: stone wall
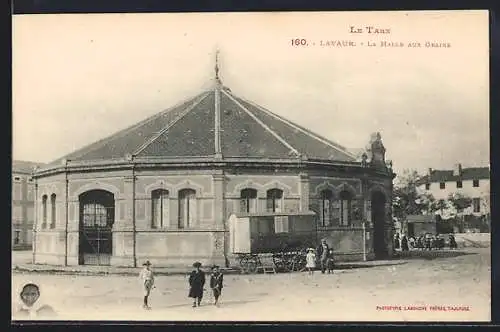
(206,239)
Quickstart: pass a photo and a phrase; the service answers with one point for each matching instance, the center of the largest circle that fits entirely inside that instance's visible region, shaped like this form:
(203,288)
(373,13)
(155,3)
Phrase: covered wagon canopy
(267,232)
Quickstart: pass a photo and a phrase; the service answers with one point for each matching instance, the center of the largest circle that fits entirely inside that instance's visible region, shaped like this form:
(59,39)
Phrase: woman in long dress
(196,283)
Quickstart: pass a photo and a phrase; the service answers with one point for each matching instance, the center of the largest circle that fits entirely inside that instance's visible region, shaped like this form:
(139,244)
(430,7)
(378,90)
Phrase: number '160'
(299,42)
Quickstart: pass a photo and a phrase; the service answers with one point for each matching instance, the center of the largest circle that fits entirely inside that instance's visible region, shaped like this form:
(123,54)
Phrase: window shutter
(243,205)
(165,202)
(182,211)
(252,205)
(192,210)
(269,204)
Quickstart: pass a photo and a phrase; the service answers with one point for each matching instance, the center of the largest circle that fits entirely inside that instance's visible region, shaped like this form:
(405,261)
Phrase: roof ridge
(305,131)
(173,122)
(217,125)
(92,146)
(278,137)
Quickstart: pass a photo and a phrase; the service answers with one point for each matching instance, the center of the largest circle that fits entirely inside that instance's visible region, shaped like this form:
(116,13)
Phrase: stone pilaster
(218,183)
(73,235)
(123,229)
(220,243)
(304,191)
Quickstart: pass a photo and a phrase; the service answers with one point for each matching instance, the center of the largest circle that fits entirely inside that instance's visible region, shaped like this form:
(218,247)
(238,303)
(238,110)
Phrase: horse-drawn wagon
(278,237)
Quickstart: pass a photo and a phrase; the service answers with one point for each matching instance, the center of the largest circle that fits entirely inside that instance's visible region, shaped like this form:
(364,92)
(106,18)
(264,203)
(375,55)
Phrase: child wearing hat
(148,281)
(310,261)
(196,283)
(216,280)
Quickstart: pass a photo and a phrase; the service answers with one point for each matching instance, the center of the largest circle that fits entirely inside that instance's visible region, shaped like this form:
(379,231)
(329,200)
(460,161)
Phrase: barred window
(345,208)
(326,208)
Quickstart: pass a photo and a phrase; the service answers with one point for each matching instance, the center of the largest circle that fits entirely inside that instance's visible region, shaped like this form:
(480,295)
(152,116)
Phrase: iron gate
(96,236)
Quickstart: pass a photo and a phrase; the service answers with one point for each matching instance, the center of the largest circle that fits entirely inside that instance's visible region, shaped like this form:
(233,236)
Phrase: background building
(23,203)
(473,182)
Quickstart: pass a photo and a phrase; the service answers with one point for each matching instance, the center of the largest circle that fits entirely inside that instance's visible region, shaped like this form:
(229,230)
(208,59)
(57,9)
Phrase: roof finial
(217,65)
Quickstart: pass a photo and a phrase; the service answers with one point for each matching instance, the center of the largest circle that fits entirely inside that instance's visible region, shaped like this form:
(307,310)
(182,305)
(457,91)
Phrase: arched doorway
(378,219)
(97,215)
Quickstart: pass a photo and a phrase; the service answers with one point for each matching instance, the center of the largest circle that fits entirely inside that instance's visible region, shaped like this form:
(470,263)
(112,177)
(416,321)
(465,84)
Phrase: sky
(78,78)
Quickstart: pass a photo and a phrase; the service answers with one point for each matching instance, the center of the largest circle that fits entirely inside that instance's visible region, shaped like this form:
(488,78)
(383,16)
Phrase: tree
(439,205)
(460,202)
(407,199)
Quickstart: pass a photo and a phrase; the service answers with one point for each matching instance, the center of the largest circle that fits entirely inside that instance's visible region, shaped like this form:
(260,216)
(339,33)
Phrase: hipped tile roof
(214,123)
(472,173)
(25,167)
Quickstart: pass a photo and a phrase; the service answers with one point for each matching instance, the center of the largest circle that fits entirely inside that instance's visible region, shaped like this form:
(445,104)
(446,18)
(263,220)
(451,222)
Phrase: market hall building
(164,189)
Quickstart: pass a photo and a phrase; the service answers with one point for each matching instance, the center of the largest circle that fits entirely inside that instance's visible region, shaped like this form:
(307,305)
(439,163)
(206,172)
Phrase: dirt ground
(441,289)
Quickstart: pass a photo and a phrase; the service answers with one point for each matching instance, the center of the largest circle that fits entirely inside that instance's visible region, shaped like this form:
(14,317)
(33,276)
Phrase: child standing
(148,281)
(330,262)
(196,283)
(310,261)
(216,280)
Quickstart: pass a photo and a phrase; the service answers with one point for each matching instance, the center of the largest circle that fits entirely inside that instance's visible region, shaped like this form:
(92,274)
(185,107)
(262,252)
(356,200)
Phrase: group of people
(424,242)
(323,254)
(197,282)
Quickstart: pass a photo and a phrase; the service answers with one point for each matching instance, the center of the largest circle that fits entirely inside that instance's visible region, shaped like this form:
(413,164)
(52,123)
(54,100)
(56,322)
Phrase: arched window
(159,208)
(326,208)
(187,207)
(53,211)
(345,208)
(274,200)
(44,211)
(248,200)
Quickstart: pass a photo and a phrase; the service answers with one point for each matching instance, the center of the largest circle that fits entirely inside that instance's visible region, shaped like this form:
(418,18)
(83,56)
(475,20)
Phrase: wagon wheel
(278,261)
(298,263)
(286,262)
(244,264)
(251,264)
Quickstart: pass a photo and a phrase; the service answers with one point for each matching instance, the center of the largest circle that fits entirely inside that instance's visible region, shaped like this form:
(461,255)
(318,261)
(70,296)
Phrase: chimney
(457,170)
(429,172)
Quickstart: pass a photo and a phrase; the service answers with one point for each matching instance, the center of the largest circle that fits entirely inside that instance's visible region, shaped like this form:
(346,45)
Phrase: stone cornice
(210,162)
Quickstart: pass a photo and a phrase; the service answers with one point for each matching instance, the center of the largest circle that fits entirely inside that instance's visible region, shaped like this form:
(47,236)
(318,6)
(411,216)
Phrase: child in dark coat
(330,262)
(196,283)
(216,280)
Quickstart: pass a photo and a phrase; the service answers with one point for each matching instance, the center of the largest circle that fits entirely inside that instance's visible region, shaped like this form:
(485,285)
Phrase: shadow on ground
(221,304)
(363,266)
(430,254)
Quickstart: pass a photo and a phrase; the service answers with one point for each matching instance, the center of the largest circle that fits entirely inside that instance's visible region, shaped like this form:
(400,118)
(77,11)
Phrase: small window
(30,180)
(281,224)
(427,186)
(475,183)
(17,178)
(442,185)
(459,184)
(476,203)
(16,236)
